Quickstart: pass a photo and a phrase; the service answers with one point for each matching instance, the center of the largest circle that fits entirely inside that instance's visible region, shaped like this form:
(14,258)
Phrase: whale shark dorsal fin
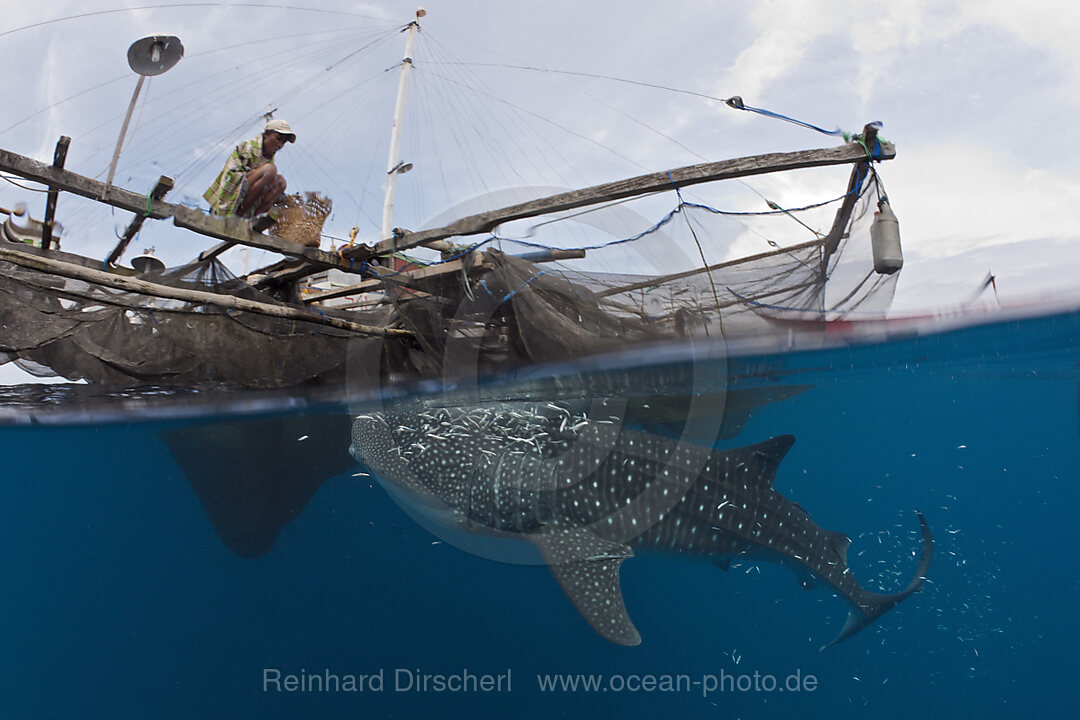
(756,464)
(587,568)
(766,456)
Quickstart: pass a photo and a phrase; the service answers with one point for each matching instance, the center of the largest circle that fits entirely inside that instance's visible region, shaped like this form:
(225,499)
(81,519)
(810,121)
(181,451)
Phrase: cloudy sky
(979,98)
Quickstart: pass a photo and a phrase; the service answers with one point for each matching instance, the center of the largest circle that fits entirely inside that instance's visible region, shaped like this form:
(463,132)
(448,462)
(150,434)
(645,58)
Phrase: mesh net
(56,325)
(562,287)
(517,299)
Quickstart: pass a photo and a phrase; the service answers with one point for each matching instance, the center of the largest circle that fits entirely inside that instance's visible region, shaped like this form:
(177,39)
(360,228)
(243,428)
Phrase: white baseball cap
(282,127)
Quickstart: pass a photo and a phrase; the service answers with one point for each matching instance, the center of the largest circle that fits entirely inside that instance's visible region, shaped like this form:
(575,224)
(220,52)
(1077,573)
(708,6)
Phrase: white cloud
(978,98)
(982,199)
(1048,24)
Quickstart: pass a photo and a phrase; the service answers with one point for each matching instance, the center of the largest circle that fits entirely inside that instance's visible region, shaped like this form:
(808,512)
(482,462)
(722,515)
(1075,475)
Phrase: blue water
(121,601)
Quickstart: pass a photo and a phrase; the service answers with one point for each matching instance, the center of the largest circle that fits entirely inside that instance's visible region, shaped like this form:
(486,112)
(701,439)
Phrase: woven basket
(302,220)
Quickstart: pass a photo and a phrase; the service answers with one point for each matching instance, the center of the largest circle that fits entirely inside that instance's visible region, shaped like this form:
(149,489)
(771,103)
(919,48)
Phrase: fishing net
(582,283)
(81,330)
(548,292)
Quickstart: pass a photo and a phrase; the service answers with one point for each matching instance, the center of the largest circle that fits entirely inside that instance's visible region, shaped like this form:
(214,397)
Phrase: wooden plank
(59,158)
(406,279)
(164,185)
(201,297)
(660,280)
(640,185)
(262,223)
(78,185)
(231,228)
(216,250)
(536,257)
(236,229)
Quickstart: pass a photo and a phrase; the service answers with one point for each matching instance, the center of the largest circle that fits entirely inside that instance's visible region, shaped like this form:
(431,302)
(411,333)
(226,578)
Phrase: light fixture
(150,56)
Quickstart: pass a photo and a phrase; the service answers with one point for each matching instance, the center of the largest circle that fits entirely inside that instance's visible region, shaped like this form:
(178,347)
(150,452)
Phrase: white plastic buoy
(147,262)
(885,239)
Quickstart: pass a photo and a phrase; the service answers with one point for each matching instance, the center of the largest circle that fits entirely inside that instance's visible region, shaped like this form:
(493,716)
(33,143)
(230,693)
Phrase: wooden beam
(843,215)
(262,223)
(199,297)
(232,228)
(552,255)
(709,307)
(78,185)
(216,250)
(654,281)
(295,273)
(59,157)
(640,185)
(164,185)
(405,279)
(238,230)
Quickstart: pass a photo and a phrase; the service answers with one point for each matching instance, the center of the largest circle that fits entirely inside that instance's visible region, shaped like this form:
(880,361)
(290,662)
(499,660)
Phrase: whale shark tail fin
(874,605)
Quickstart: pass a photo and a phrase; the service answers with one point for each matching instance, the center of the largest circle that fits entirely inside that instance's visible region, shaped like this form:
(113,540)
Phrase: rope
(512,293)
(701,253)
(184,5)
(29,189)
(737,103)
(877,152)
(755,303)
(683,203)
(633,238)
(318,330)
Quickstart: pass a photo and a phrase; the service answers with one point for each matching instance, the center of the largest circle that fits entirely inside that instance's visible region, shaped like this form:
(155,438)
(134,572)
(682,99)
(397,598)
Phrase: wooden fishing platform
(365,259)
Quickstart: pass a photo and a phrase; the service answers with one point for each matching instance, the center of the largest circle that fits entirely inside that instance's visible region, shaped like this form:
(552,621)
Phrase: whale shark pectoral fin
(587,569)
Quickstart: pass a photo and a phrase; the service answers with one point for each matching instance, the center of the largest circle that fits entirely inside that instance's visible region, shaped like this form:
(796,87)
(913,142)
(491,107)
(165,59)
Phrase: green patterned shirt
(224,193)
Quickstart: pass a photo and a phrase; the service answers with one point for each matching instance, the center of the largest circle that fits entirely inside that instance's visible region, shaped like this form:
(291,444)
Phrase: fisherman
(249,184)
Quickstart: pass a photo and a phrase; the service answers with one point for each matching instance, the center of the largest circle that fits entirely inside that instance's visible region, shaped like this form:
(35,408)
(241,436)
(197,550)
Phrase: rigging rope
(224,3)
(30,189)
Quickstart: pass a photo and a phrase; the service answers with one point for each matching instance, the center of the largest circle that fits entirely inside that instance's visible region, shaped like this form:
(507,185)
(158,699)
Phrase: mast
(394,165)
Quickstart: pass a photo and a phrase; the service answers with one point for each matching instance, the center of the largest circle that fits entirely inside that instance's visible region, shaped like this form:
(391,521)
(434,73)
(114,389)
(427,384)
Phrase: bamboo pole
(231,228)
(630,187)
(660,280)
(198,297)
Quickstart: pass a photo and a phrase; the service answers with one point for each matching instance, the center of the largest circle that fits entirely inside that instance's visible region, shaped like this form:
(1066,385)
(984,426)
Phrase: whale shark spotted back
(589,492)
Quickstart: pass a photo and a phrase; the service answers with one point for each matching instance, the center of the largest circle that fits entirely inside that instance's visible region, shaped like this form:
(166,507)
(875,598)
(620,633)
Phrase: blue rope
(318,330)
(755,303)
(737,103)
(683,203)
(512,293)
(664,221)
(463,253)
(678,192)
(769,212)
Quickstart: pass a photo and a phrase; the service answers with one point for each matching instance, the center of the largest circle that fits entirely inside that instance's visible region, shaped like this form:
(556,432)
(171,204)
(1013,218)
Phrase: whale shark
(588,492)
